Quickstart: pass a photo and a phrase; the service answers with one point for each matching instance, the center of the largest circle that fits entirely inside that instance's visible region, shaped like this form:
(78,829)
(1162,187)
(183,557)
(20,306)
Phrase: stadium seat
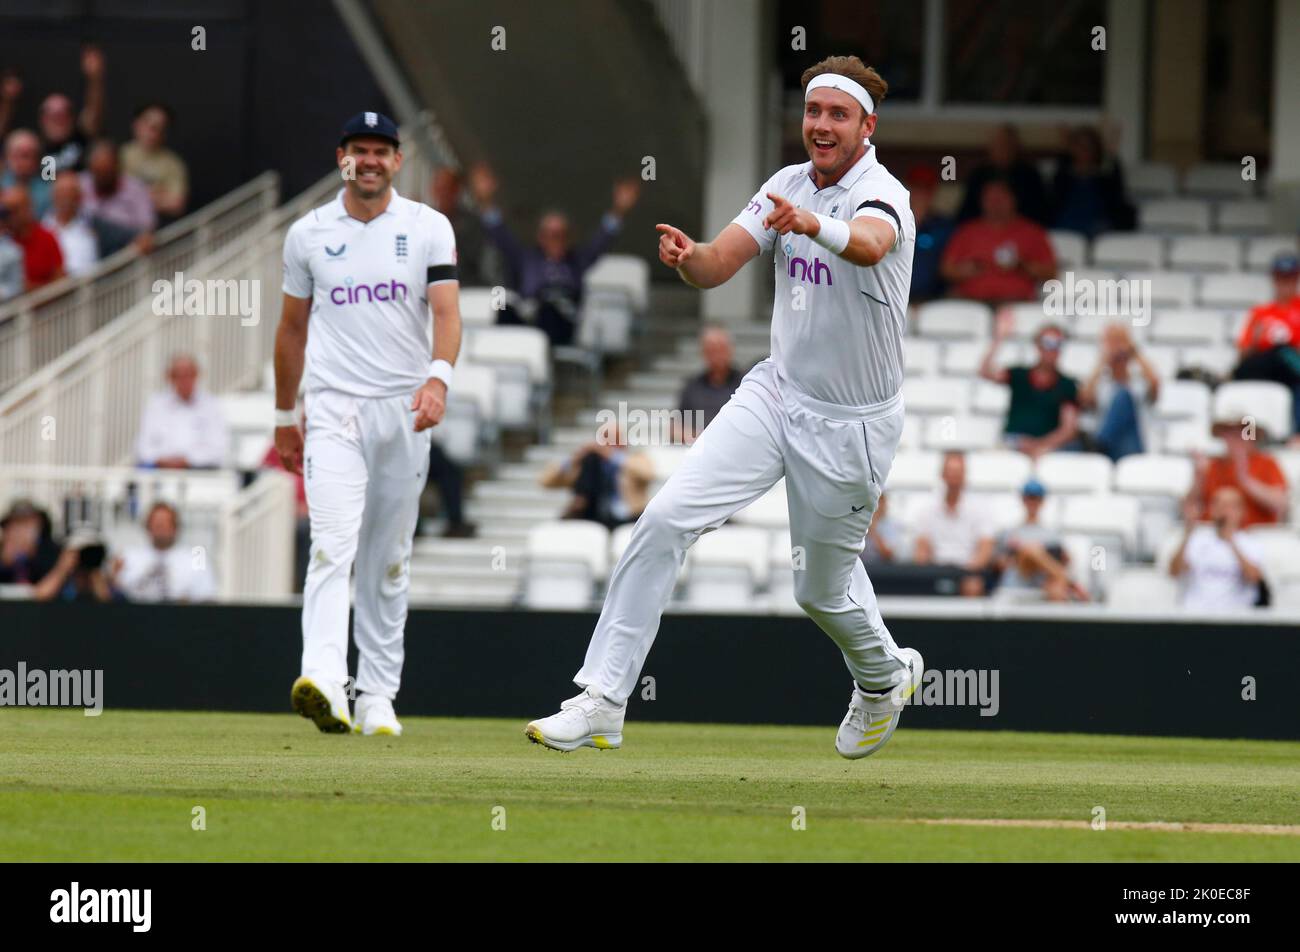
(1204,253)
(1280,548)
(665,460)
(962,433)
(911,436)
(1217,180)
(1164,358)
(564,560)
(1188,327)
(605,322)
(1107,518)
(1151,180)
(476,308)
(954,320)
(1174,216)
(471,418)
(990,399)
(1167,288)
(1240,290)
(520,357)
(997,471)
(1184,400)
(1128,252)
(1264,401)
(1218,359)
(1070,248)
(931,395)
(1245,217)
(920,357)
(1261,251)
(914,470)
(626,274)
(1028,318)
(1152,474)
(1079,358)
(726,566)
(963,358)
(1006,510)
(1075,472)
(1188,437)
(1143,590)
(768,511)
(1289,461)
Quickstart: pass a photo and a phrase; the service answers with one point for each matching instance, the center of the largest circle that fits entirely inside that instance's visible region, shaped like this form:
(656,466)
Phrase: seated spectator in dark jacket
(933,230)
(1044,414)
(1269,345)
(548,276)
(42,257)
(1000,256)
(1004,161)
(28,552)
(704,396)
(1088,188)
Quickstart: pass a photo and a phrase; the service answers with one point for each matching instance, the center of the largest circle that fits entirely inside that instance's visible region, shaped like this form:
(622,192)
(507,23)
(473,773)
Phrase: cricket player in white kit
(360,277)
(825,411)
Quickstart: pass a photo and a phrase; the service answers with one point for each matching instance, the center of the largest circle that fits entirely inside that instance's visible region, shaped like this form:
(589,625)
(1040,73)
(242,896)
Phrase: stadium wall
(1114,677)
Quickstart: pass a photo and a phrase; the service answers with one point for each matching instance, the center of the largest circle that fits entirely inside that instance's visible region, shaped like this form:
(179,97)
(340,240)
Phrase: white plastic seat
(1217,180)
(920,357)
(476,306)
(1184,400)
(1174,216)
(726,566)
(1204,253)
(1075,472)
(1188,327)
(1245,217)
(990,399)
(1167,288)
(1266,402)
(768,511)
(1280,551)
(936,395)
(1128,252)
(605,321)
(1219,359)
(1151,180)
(997,471)
(1079,358)
(1237,290)
(627,274)
(955,320)
(914,470)
(1153,474)
(1102,516)
(1070,249)
(570,540)
(1142,589)
(962,432)
(665,460)
(963,358)
(1261,251)
(526,346)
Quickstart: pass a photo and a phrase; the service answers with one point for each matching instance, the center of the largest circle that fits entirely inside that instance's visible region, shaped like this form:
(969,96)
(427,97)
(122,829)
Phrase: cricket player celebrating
(363,272)
(825,411)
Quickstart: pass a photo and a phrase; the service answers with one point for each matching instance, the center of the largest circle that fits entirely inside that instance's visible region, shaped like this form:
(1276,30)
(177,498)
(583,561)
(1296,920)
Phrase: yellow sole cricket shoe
(588,720)
(872,718)
(312,699)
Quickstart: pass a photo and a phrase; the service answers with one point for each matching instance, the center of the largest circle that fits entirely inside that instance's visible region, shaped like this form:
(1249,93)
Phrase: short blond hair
(854,69)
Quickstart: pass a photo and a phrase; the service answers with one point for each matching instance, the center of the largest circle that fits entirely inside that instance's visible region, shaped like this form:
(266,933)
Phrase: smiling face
(834,125)
(57,118)
(375,160)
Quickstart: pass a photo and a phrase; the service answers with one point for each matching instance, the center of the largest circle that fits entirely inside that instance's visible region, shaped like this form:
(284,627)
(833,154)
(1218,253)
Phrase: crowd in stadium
(72,194)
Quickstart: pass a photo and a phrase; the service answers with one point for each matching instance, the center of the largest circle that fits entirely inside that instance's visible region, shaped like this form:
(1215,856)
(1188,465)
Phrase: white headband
(844,85)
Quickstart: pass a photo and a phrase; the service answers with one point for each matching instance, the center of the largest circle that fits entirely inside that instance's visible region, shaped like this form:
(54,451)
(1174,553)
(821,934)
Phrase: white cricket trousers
(364,467)
(835,460)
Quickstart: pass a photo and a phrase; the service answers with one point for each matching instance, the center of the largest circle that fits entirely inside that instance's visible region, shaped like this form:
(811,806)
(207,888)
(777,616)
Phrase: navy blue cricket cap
(1286,263)
(370,124)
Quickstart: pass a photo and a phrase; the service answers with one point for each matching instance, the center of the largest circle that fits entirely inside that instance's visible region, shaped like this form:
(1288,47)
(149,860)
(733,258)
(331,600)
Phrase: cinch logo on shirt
(817,267)
(368,294)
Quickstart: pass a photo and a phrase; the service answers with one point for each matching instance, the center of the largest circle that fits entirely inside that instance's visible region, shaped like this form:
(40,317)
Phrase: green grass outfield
(123,787)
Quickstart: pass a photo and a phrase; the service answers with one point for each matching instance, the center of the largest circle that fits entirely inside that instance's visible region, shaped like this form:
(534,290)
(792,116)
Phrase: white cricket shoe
(872,718)
(375,715)
(324,702)
(588,720)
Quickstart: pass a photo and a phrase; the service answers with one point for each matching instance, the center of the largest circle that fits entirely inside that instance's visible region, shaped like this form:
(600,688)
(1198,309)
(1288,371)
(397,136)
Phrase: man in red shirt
(999,256)
(1245,467)
(1269,345)
(42,259)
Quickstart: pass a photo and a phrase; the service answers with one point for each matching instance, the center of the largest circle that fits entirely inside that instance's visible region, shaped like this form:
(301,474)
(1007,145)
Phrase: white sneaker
(375,716)
(587,720)
(872,718)
(324,702)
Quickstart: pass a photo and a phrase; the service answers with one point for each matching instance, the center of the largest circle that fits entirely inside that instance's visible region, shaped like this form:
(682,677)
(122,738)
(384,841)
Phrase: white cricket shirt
(370,332)
(845,345)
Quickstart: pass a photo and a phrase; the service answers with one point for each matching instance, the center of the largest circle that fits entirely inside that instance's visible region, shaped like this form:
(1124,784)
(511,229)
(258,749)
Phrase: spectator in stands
(1121,397)
(182,427)
(703,396)
(450,480)
(884,541)
(162,571)
(954,531)
(147,158)
(83,238)
(1269,346)
(1043,415)
(1000,256)
(1219,565)
(1005,161)
(1033,556)
(1087,193)
(610,482)
(478,262)
(22,166)
(548,276)
(1244,467)
(28,552)
(116,197)
(933,231)
(65,134)
(42,258)
(13,280)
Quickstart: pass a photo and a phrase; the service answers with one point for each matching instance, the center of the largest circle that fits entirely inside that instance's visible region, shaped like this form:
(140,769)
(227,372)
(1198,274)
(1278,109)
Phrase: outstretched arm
(710,263)
(869,238)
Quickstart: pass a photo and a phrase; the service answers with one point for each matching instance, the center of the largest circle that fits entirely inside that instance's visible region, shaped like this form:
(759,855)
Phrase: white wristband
(833,235)
(441,370)
(285,418)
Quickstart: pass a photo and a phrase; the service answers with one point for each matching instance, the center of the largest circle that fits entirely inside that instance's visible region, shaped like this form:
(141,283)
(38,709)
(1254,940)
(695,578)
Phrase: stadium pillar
(735,98)
(1177,105)
(1127,75)
(1286,117)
